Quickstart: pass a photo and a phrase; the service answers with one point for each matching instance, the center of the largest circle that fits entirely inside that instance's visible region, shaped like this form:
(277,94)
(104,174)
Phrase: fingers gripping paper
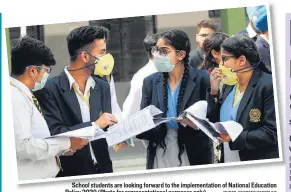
(197,114)
(135,124)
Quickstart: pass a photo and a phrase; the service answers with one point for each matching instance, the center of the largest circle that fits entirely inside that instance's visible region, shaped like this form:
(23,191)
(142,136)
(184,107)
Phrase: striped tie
(36,103)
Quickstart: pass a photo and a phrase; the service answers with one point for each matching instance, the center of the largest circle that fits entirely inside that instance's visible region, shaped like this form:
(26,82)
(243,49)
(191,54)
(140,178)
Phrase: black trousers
(96,171)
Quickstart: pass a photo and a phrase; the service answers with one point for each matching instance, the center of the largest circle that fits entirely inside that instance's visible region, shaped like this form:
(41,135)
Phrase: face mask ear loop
(254,66)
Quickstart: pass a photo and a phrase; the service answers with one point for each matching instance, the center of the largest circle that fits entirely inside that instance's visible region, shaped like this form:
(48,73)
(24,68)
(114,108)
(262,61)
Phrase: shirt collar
(251,31)
(21,86)
(90,81)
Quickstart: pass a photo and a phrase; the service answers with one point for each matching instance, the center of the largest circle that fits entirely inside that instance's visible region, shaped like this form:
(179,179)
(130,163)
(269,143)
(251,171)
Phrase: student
(37,155)
(204,28)
(262,42)
(75,100)
(250,30)
(250,102)
(211,46)
(176,87)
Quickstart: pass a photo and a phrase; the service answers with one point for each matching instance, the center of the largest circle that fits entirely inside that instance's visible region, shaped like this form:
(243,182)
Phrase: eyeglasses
(161,51)
(224,58)
(39,68)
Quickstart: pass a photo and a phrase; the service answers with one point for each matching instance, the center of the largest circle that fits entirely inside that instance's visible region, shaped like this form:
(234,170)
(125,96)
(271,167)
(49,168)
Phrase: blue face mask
(163,63)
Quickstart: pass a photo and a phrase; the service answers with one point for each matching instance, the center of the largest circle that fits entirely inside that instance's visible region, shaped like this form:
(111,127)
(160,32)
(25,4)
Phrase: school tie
(36,103)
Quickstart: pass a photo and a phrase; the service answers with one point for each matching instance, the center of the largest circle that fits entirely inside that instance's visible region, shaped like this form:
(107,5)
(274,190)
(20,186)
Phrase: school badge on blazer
(255,115)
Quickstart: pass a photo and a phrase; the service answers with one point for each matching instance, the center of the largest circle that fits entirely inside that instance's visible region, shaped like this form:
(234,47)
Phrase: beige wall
(55,38)
(184,21)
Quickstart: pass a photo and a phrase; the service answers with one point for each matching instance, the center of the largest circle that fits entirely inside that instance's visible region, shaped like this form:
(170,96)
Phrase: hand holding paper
(220,131)
(120,146)
(229,130)
(224,137)
(186,121)
(106,119)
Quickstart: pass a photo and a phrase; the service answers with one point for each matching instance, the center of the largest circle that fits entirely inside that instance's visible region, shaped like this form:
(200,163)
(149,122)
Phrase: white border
(275,90)
(151,171)
(280,159)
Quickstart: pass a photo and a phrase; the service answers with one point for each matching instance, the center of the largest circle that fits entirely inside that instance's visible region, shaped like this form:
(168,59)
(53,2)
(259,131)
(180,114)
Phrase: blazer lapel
(95,103)
(189,88)
(160,92)
(70,96)
(248,93)
(225,92)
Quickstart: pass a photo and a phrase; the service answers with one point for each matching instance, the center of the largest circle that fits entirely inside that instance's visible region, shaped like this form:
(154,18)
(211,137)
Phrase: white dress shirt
(251,31)
(132,102)
(35,154)
(116,111)
(85,110)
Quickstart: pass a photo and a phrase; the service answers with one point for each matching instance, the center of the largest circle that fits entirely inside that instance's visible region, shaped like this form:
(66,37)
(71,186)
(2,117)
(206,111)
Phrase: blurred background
(126,45)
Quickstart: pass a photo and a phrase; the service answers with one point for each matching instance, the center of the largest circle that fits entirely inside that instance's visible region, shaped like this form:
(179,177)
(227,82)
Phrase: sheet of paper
(133,125)
(233,128)
(161,120)
(204,129)
(86,133)
(155,111)
(198,109)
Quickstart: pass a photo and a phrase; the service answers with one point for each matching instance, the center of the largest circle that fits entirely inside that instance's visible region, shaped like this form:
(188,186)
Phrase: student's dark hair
(179,40)
(207,23)
(212,42)
(81,38)
(239,45)
(28,51)
(149,42)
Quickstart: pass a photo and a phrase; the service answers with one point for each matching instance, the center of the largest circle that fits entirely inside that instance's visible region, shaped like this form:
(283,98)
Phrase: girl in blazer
(174,88)
(249,101)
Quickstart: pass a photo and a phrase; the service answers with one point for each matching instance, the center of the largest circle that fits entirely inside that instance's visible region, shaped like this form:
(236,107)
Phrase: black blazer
(264,51)
(62,112)
(198,146)
(256,114)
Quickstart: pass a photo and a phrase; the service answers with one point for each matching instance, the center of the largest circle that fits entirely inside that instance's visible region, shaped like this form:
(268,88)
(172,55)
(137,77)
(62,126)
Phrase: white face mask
(163,63)
(37,85)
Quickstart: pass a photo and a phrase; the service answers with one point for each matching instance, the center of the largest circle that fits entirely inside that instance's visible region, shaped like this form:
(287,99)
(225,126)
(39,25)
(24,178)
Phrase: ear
(31,70)
(181,55)
(242,60)
(84,56)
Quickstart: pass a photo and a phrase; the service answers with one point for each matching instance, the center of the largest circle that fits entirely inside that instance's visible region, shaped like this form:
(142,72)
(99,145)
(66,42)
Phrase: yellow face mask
(105,65)
(228,77)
